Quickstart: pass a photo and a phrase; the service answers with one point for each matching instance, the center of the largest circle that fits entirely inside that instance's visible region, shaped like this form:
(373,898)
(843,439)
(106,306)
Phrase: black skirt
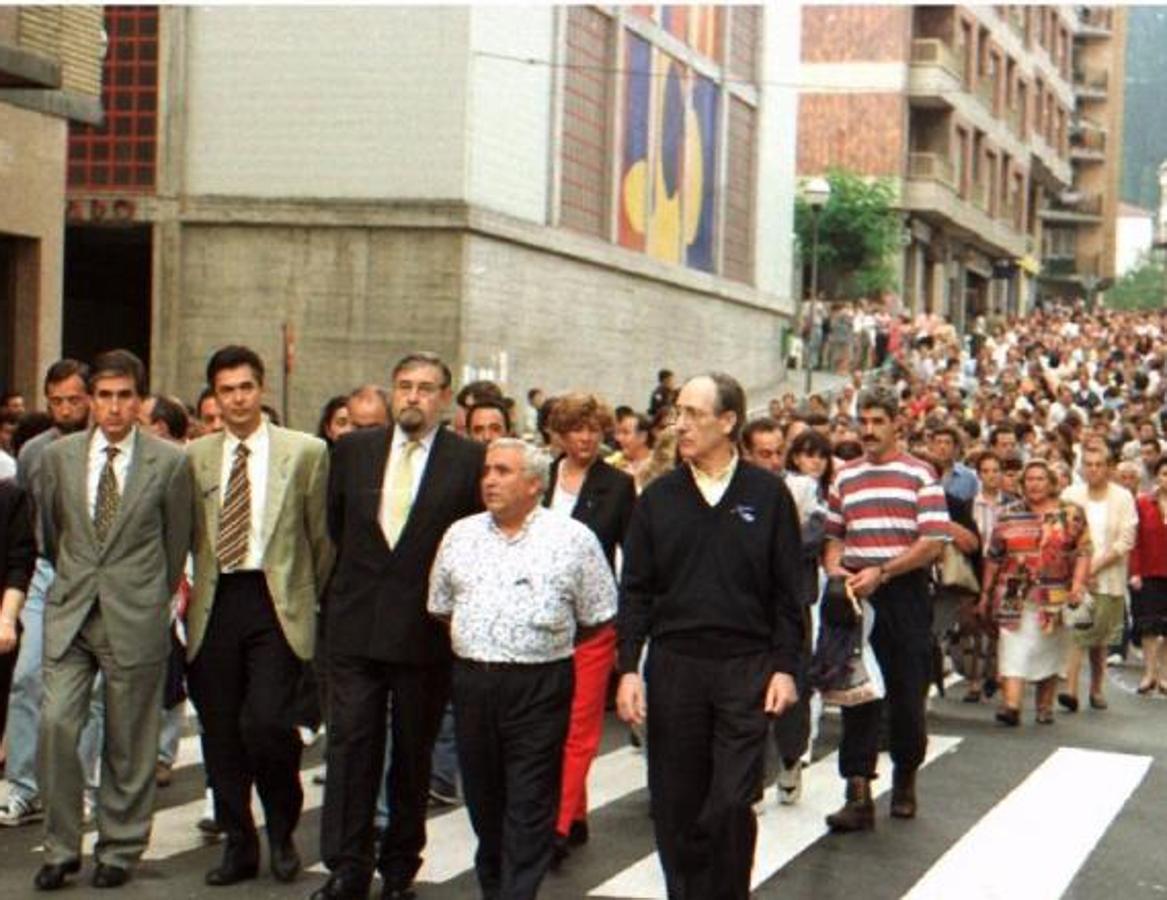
(1149,608)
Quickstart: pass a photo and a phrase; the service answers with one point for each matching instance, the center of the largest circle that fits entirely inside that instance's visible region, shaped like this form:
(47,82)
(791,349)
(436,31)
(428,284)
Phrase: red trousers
(594,659)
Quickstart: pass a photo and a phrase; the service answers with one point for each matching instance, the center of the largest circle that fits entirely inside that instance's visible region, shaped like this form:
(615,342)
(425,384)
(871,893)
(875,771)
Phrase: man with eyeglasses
(67,396)
(393,492)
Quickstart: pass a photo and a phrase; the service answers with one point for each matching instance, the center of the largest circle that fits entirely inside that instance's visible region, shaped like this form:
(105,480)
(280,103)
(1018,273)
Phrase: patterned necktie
(105,510)
(235,517)
(397,497)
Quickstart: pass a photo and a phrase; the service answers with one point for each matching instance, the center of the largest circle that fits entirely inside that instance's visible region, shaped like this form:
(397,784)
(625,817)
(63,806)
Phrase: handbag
(1079,616)
(844,668)
(956,572)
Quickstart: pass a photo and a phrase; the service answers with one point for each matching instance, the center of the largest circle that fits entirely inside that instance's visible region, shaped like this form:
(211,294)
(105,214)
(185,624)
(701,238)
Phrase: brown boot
(903,793)
(858,813)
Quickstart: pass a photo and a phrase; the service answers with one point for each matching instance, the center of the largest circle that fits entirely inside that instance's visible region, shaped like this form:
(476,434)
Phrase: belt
(483,665)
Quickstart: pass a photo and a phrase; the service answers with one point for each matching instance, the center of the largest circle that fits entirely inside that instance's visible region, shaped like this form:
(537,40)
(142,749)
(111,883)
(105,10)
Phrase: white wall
(510,109)
(1132,239)
(776,149)
(351,102)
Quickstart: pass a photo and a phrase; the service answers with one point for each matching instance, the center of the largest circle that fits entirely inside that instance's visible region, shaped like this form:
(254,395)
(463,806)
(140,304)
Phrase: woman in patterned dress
(1038,561)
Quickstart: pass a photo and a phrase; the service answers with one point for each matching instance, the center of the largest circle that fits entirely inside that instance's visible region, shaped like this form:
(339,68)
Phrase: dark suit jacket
(17,546)
(605,503)
(376,604)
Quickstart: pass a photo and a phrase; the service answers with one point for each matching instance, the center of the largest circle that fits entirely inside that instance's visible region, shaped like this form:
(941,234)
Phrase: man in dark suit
(392,494)
(261,559)
(117,508)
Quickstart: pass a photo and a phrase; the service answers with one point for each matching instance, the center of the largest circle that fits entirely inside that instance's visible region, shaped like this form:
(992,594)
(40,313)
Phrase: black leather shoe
(239,864)
(577,835)
(51,876)
(341,886)
(110,876)
(398,892)
(560,851)
(285,861)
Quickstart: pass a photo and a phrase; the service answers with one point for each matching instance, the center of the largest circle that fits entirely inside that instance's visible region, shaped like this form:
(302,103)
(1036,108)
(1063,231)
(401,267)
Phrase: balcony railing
(1091,83)
(1095,22)
(1076,205)
(979,194)
(935,52)
(931,166)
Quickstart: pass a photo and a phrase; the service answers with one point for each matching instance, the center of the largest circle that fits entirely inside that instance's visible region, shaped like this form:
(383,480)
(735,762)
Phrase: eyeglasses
(424,388)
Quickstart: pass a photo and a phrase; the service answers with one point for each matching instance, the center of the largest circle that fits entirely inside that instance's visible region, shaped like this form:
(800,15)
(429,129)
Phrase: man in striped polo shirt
(886,525)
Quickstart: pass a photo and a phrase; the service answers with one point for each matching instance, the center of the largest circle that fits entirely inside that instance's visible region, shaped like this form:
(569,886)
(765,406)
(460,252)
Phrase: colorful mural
(669,160)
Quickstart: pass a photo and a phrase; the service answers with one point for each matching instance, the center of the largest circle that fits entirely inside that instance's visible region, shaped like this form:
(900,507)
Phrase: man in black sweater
(711,574)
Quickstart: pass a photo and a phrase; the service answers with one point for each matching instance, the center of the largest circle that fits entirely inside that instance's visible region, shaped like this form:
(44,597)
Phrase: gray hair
(536,462)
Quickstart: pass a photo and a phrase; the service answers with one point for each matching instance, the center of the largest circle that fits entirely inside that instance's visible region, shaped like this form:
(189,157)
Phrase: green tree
(1143,287)
(859,235)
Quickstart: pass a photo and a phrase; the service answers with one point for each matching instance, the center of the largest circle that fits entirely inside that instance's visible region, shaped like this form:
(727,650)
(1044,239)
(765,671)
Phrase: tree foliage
(859,235)
(1143,287)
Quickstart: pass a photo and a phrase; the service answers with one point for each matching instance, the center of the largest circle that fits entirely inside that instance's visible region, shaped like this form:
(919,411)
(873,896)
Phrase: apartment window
(1023,106)
(120,154)
(994,76)
(960,163)
(965,51)
(990,182)
(1018,200)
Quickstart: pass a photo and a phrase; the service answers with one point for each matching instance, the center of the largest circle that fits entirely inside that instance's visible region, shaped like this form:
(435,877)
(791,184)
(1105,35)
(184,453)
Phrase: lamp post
(816,193)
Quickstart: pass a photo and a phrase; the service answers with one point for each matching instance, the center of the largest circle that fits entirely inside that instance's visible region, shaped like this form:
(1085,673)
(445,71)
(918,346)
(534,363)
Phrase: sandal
(1044,717)
(1146,687)
(1007,715)
(1069,702)
(1098,702)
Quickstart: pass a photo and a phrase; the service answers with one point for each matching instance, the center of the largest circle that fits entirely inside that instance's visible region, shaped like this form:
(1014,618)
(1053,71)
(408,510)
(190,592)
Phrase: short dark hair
(119,363)
(664,375)
(998,431)
(170,413)
(879,398)
(422,358)
(29,426)
(232,357)
(760,425)
(63,369)
(816,420)
(475,391)
(340,401)
(205,394)
(643,423)
(1159,463)
(532,392)
(946,430)
(490,403)
(729,397)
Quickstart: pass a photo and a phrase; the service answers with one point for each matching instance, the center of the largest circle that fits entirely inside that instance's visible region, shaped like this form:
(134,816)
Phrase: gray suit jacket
(138,569)
(297,555)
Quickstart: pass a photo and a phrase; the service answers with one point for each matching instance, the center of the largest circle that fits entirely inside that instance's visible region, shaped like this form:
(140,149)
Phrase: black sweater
(716,581)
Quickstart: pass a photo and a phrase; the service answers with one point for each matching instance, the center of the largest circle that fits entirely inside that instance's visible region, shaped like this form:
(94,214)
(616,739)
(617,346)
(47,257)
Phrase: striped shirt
(878,510)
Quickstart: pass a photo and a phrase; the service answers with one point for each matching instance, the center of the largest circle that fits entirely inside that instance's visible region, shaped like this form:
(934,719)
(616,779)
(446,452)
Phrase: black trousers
(243,683)
(510,724)
(359,690)
(706,750)
(901,639)
(792,728)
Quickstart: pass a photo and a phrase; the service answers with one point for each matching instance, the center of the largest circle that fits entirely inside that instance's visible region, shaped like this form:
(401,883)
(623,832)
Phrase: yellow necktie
(395,511)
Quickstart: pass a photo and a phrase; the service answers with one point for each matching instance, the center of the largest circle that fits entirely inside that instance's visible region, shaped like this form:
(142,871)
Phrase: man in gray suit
(118,507)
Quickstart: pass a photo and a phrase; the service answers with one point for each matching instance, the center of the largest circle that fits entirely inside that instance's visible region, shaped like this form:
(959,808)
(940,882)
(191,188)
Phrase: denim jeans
(173,721)
(444,772)
(25,700)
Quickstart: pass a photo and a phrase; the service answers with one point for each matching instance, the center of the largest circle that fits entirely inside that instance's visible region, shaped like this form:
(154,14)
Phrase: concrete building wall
(327,101)
(32,203)
(509,109)
(567,323)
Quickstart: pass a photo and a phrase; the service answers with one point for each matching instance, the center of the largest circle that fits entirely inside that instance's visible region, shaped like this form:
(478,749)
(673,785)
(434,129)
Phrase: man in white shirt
(517,585)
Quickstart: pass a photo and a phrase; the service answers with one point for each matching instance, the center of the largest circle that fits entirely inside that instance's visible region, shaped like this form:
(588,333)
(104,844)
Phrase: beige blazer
(1122,520)
(298,554)
(137,569)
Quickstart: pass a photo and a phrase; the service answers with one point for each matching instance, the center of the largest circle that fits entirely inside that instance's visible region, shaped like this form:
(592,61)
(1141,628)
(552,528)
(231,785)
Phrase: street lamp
(816,193)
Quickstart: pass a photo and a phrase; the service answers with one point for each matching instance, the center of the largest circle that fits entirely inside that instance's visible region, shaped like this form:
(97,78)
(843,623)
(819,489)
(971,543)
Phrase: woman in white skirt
(1038,561)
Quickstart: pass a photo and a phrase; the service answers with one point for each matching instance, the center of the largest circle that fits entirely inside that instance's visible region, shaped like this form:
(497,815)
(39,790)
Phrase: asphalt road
(1070,810)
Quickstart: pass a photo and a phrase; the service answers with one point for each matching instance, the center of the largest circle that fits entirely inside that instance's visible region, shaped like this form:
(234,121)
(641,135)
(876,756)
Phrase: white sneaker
(790,784)
(88,809)
(20,811)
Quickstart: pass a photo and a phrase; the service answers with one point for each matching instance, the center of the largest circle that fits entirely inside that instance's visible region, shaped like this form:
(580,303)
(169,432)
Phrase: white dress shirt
(259,443)
(420,458)
(97,461)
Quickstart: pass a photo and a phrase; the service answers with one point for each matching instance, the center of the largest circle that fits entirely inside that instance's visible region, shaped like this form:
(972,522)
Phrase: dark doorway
(107,291)
(7,313)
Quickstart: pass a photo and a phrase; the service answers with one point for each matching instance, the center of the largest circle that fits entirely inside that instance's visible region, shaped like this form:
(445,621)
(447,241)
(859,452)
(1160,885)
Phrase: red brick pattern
(744,26)
(856,33)
(738,231)
(862,132)
(587,121)
(119,155)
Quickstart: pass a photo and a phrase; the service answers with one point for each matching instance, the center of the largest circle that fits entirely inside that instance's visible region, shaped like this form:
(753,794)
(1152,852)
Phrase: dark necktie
(235,520)
(105,510)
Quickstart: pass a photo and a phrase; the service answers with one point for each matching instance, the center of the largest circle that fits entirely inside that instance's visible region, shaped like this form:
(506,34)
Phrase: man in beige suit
(261,559)
(117,513)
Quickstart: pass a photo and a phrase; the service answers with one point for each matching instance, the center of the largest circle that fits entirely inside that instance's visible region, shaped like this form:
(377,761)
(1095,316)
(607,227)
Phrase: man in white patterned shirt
(518,586)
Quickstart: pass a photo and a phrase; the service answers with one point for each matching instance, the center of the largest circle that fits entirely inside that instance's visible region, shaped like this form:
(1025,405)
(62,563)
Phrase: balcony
(1091,83)
(935,73)
(1087,142)
(1071,268)
(1095,22)
(931,166)
(931,194)
(1074,208)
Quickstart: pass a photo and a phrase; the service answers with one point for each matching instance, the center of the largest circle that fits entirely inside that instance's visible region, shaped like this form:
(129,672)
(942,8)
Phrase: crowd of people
(453,587)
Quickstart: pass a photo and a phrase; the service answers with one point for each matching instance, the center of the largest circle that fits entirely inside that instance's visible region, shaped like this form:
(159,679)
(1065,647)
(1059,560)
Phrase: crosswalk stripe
(783,832)
(450,839)
(1033,842)
(173,831)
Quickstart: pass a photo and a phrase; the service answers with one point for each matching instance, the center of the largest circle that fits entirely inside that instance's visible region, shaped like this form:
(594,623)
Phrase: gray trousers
(133,708)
